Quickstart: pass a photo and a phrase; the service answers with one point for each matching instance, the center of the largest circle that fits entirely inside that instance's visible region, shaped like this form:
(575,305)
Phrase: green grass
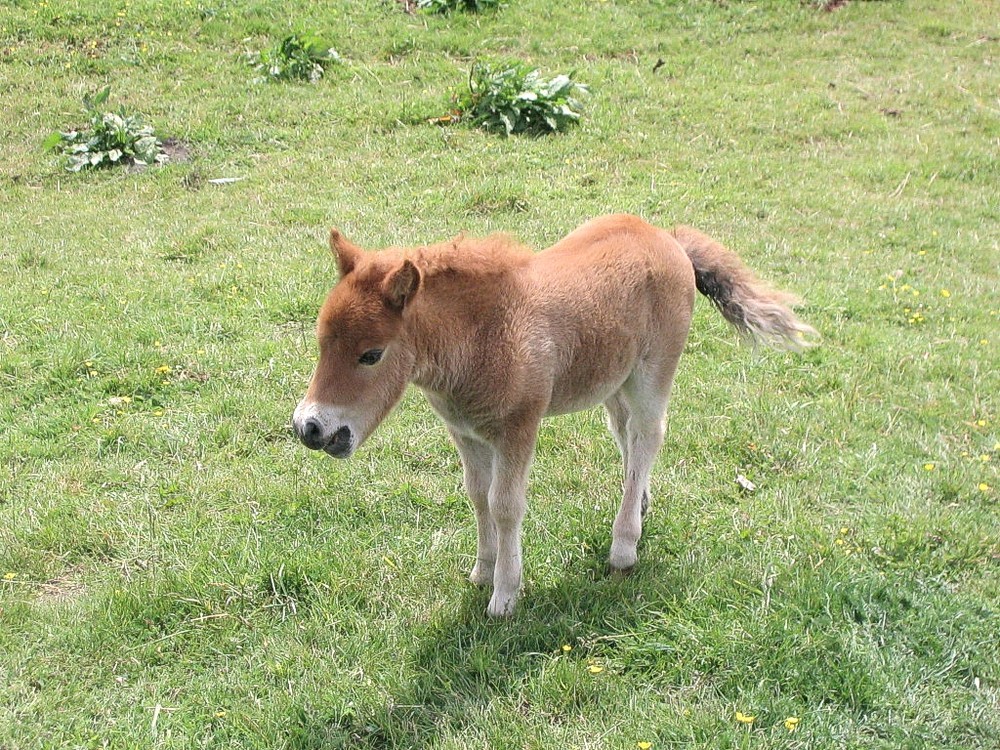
(177,572)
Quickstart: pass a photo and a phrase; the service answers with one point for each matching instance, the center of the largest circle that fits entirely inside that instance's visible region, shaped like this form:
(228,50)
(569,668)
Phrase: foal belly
(590,380)
(567,403)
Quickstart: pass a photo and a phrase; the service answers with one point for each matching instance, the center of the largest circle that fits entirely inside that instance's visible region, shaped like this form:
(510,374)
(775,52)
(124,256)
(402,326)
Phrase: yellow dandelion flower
(643,745)
(945,293)
(162,369)
(595,669)
(980,423)
(9,576)
(983,487)
(844,531)
(792,723)
(743,718)
(985,457)
(929,467)
(566,648)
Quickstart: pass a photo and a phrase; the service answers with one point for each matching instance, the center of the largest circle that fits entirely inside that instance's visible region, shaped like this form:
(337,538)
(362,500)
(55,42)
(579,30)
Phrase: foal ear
(401,284)
(346,252)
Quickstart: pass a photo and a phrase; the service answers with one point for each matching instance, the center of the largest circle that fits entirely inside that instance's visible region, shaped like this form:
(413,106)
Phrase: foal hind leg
(645,435)
(618,413)
(644,398)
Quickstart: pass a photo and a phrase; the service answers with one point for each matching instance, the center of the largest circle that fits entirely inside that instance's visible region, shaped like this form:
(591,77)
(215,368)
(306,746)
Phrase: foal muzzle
(338,445)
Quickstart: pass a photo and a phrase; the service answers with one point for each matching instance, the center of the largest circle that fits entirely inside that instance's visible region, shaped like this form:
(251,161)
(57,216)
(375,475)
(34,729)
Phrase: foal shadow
(463,661)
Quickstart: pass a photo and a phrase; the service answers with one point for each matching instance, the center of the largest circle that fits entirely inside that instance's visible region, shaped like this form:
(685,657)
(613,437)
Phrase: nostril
(341,444)
(312,433)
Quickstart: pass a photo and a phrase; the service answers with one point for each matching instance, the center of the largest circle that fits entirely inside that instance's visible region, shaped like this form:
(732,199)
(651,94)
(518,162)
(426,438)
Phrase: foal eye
(370,357)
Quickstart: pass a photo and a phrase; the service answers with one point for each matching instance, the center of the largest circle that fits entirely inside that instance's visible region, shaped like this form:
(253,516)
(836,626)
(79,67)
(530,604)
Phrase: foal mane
(470,256)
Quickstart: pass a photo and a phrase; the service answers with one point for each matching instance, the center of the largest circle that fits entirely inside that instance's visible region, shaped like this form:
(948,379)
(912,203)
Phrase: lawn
(177,571)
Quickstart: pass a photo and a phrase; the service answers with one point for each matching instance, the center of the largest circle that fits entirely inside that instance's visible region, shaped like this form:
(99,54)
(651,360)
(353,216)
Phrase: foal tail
(749,304)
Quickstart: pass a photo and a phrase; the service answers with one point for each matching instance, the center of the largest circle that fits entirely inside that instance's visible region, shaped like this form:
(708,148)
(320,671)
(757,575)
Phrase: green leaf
(53,142)
(96,100)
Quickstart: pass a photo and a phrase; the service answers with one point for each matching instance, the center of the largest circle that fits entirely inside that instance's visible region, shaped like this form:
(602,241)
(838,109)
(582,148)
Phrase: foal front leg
(477,465)
(508,501)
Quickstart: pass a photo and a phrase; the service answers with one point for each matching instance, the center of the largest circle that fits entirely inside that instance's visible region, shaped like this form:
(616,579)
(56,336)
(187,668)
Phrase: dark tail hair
(749,304)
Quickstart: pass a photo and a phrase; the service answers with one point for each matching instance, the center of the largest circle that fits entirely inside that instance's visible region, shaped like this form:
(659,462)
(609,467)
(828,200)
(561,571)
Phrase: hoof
(501,606)
(622,559)
(481,575)
(621,572)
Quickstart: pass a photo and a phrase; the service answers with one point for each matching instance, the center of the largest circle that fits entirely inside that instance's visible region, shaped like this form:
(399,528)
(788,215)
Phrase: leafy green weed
(113,138)
(449,6)
(514,98)
(297,57)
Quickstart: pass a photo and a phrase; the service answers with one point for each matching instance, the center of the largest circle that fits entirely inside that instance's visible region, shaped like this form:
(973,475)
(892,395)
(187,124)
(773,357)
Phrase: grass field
(176,571)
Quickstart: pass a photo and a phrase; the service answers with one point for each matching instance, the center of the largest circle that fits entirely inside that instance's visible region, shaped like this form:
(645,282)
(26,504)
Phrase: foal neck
(469,287)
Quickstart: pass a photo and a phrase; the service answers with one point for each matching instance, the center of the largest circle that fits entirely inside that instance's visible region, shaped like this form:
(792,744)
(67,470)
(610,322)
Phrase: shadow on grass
(465,664)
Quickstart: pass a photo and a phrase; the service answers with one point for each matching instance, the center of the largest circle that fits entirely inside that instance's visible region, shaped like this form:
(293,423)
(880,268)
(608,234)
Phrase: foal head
(365,360)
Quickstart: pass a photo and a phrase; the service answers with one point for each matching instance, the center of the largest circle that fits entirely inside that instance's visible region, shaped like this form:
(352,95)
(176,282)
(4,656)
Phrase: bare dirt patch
(176,150)
(179,151)
(63,589)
